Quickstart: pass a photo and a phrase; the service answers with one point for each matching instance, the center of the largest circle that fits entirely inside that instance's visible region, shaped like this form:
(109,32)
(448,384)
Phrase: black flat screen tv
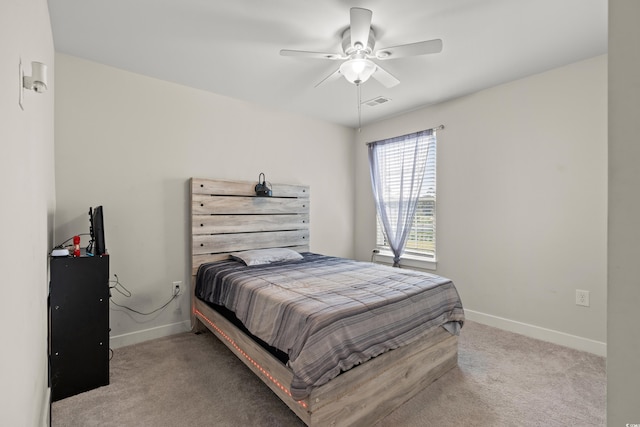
(97,244)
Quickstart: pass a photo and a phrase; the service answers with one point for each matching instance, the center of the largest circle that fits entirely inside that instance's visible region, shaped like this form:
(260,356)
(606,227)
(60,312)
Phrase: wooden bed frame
(226,217)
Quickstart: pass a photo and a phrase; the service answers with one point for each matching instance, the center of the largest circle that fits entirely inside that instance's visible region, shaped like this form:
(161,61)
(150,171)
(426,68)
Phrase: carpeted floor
(503,379)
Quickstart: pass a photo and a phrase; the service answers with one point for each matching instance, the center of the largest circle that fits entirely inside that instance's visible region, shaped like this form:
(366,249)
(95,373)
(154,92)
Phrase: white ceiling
(231,47)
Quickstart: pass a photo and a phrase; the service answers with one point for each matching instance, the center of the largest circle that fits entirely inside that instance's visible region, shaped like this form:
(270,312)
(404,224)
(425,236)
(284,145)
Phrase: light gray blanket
(330,314)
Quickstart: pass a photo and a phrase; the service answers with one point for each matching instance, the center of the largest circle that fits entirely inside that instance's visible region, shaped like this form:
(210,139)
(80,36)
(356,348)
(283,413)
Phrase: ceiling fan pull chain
(359,108)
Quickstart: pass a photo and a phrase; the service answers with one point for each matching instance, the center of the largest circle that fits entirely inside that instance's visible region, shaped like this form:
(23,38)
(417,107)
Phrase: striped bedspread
(330,314)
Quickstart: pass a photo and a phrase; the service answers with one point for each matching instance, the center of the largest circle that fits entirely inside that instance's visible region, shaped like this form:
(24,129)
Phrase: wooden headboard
(226,216)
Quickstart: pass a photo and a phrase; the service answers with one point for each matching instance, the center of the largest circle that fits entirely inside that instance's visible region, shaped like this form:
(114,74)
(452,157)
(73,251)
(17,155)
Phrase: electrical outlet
(582,298)
(176,289)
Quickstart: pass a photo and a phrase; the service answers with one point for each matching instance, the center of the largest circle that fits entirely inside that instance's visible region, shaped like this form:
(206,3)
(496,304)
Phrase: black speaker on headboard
(263,189)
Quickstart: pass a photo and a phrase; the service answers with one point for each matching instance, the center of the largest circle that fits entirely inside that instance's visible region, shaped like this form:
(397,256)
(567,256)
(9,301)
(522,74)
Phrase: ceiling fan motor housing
(348,49)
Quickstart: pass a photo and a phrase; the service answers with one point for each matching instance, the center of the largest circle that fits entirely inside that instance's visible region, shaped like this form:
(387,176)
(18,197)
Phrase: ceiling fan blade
(411,49)
(360,26)
(307,54)
(331,77)
(384,77)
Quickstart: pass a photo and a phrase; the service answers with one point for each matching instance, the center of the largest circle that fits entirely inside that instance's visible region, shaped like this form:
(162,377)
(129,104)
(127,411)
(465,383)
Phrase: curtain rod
(440,127)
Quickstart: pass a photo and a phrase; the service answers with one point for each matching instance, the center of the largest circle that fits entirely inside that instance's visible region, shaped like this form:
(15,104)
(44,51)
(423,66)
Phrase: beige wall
(522,201)
(26,216)
(131,142)
(623,373)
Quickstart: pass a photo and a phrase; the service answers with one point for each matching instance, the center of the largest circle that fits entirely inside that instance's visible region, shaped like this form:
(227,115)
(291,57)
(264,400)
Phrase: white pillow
(266,256)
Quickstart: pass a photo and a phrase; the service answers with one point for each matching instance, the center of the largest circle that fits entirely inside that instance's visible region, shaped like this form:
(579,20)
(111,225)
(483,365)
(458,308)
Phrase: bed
(226,217)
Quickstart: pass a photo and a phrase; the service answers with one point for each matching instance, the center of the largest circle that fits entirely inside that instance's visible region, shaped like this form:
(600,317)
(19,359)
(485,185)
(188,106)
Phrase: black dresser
(78,324)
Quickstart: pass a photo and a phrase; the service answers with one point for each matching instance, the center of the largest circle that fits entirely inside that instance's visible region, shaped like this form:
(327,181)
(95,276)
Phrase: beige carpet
(503,379)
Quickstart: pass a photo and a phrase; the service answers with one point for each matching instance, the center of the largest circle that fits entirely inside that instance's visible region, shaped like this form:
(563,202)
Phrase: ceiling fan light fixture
(357,70)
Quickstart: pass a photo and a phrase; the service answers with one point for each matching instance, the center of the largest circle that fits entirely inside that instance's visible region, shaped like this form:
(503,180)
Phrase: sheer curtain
(397,167)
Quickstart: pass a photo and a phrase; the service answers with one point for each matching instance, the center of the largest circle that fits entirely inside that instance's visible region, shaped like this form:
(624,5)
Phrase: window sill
(408,261)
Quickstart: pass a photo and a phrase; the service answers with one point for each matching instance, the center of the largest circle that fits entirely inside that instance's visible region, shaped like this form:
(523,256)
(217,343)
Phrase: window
(422,236)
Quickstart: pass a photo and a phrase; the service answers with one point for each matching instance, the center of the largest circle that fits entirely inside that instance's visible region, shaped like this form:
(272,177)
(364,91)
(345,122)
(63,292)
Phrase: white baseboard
(136,337)
(544,334)
(537,332)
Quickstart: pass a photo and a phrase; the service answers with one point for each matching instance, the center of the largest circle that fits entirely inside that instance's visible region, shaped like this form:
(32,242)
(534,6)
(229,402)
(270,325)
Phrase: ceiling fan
(358,42)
